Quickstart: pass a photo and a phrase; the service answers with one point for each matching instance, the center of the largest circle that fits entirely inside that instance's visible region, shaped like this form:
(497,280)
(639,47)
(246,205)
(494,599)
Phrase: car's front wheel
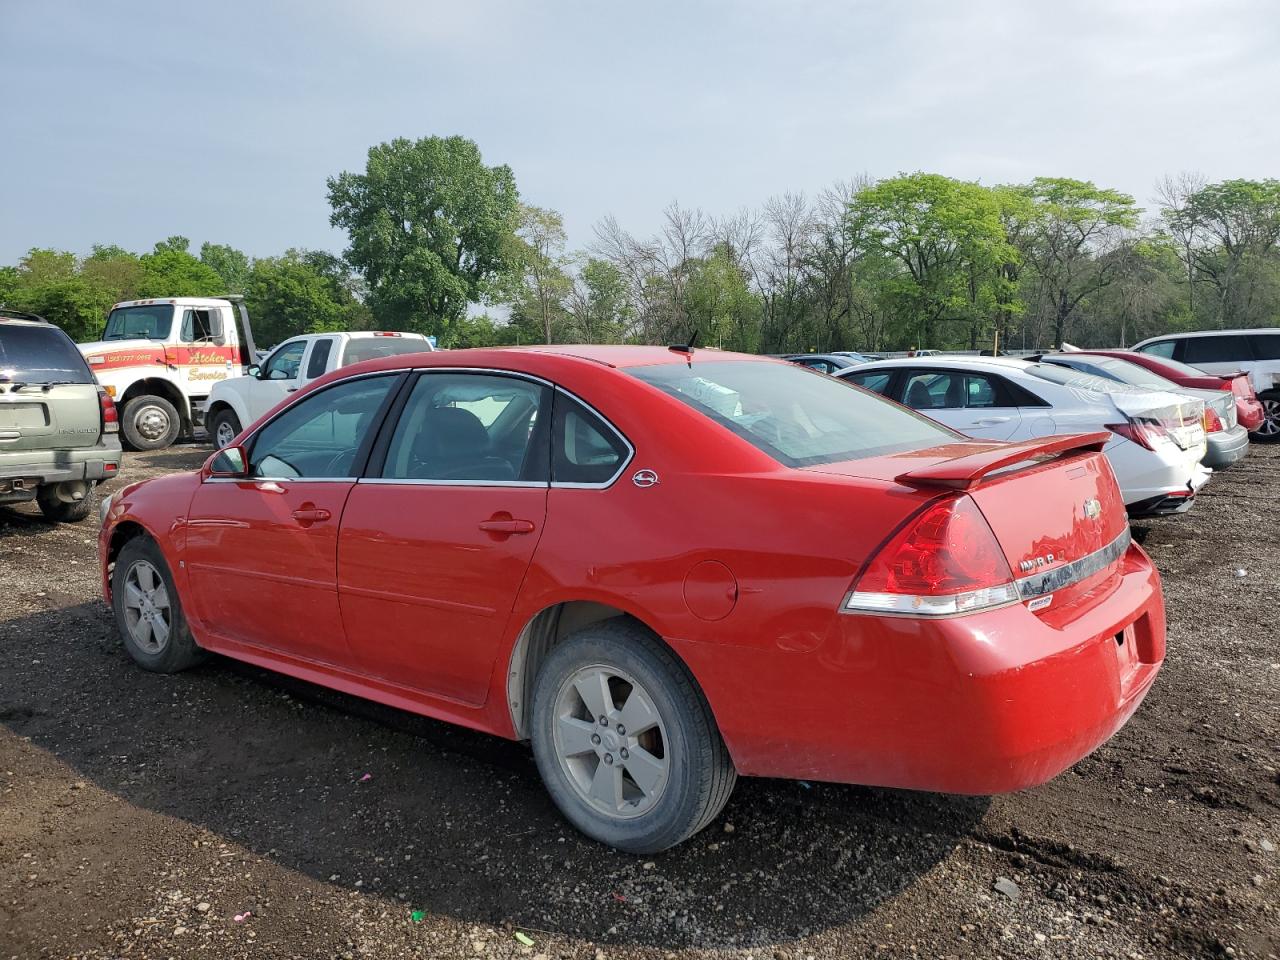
(1269,430)
(148,610)
(625,741)
(224,426)
(150,423)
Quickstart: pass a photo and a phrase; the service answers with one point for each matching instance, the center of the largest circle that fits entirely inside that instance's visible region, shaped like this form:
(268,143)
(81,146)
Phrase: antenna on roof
(685,347)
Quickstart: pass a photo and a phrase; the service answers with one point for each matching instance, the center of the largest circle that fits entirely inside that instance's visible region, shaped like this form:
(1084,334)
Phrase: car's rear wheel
(1269,430)
(150,423)
(224,426)
(625,742)
(68,502)
(148,610)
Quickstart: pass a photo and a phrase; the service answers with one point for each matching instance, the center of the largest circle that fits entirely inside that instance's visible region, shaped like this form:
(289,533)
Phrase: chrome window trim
(1049,581)
(411,482)
(249,479)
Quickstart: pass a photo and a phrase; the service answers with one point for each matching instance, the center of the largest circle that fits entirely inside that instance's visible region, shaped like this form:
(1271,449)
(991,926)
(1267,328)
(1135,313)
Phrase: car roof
(612,355)
(1183,335)
(1003,364)
(176,301)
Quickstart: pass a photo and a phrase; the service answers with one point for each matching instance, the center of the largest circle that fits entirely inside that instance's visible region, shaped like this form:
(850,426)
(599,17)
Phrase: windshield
(39,354)
(151,322)
(798,417)
(366,348)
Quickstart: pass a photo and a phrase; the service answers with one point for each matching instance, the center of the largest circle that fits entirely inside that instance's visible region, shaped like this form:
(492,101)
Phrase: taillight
(945,561)
(107,409)
(1145,433)
(1211,422)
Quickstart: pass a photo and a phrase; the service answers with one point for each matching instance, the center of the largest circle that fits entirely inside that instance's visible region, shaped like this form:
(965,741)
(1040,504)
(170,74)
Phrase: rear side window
(584,448)
(319,358)
(31,353)
(366,348)
(792,415)
(1266,346)
(1224,349)
(1161,348)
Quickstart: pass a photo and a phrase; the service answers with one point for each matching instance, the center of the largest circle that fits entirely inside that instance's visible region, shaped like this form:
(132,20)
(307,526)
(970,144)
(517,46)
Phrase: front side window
(471,428)
(1228,349)
(790,414)
(284,363)
(876,382)
(584,449)
(320,435)
(152,322)
(201,326)
(1161,348)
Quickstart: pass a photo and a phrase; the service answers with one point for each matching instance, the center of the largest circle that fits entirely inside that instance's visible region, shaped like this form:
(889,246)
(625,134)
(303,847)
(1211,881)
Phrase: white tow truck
(236,402)
(159,358)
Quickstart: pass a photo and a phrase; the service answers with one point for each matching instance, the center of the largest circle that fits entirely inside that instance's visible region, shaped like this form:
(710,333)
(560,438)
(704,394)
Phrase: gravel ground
(226,812)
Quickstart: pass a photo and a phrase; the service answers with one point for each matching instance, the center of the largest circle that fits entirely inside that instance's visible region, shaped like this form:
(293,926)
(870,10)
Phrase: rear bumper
(21,471)
(1226,447)
(988,703)
(1175,498)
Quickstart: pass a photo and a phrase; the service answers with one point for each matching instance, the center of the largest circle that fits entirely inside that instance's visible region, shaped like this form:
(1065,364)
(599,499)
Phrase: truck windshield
(798,417)
(151,322)
(39,354)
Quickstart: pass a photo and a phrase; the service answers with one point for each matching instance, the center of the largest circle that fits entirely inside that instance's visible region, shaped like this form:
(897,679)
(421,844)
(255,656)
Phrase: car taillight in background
(1146,433)
(109,416)
(1212,422)
(945,561)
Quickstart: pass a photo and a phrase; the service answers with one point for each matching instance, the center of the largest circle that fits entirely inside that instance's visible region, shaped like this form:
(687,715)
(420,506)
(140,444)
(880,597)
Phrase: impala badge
(644,478)
(1092,508)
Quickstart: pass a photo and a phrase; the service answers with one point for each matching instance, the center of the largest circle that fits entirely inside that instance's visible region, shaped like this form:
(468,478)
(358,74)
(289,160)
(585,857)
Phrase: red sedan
(1248,406)
(665,568)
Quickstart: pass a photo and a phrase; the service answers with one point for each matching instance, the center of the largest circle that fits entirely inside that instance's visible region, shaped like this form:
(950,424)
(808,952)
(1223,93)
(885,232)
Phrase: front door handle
(311,514)
(506,526)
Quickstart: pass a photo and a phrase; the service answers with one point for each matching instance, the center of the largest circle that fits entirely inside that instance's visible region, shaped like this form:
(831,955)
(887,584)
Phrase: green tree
(720,303)
(230,264)
(171,271)
(291,295)
(598,306)
(1074,228)
(48,283)
(430,228)
(542,281)
(948,242)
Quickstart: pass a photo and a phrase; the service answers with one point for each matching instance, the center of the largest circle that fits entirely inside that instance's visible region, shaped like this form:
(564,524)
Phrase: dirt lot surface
(226,812)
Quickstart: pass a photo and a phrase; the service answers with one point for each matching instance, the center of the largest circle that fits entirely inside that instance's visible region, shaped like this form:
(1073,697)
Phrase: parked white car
(1224,352)
(236,402)
(1157,442)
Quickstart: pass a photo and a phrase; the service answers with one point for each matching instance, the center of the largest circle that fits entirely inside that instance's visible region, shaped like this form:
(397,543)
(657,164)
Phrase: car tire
(149,422)
(58,503)
(221,422)
(597,775)
(1269,430)
(161,642)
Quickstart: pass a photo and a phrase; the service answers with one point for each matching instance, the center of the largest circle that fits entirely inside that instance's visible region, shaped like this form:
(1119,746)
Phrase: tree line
(441,243)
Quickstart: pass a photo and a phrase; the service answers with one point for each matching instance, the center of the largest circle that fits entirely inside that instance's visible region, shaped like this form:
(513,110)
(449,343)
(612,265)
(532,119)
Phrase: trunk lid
(1053,504)
(1181,418)
(63,416)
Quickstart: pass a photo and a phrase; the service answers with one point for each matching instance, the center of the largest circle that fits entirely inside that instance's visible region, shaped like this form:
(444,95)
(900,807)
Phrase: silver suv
(59,433)
(1224,352)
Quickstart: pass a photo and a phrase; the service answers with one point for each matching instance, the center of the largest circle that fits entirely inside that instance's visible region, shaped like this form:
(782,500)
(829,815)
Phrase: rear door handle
(991,421)
(506,526)
(306,514)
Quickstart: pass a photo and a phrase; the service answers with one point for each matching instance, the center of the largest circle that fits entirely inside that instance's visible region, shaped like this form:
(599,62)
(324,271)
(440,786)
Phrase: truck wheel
(148,610)
(1269,430)
(223,427)
(625,741)
(68,502)
(150,423)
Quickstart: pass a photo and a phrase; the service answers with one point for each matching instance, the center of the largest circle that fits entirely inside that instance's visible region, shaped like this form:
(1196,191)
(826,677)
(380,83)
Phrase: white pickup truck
(236,402)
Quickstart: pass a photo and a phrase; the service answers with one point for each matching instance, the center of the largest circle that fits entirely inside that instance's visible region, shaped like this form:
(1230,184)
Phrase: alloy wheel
(224,434)
(1270,425)
(611,742)
(148,616)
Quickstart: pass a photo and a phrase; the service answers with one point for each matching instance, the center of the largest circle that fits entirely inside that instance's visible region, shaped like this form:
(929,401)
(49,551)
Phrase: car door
(280,376)
(261,551)
(974,403)
(436,539)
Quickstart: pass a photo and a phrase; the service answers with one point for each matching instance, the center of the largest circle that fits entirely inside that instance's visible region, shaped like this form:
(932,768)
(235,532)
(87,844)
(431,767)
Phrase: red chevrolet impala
(665,568)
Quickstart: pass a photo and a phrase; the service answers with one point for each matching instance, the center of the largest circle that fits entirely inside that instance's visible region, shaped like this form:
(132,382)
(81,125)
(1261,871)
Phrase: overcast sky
(127,122)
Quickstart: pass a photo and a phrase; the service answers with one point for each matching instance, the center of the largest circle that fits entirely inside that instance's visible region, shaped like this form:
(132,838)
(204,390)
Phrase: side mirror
(255,371)
(227,462)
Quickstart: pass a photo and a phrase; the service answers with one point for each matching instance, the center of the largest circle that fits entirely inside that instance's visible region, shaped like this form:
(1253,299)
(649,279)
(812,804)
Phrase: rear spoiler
(965,473)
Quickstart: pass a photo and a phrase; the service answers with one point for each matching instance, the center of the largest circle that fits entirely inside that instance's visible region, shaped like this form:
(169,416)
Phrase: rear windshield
(39,354)
(140,323)
(798,417)
(1128,372)
(1182,369)
(366,348)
